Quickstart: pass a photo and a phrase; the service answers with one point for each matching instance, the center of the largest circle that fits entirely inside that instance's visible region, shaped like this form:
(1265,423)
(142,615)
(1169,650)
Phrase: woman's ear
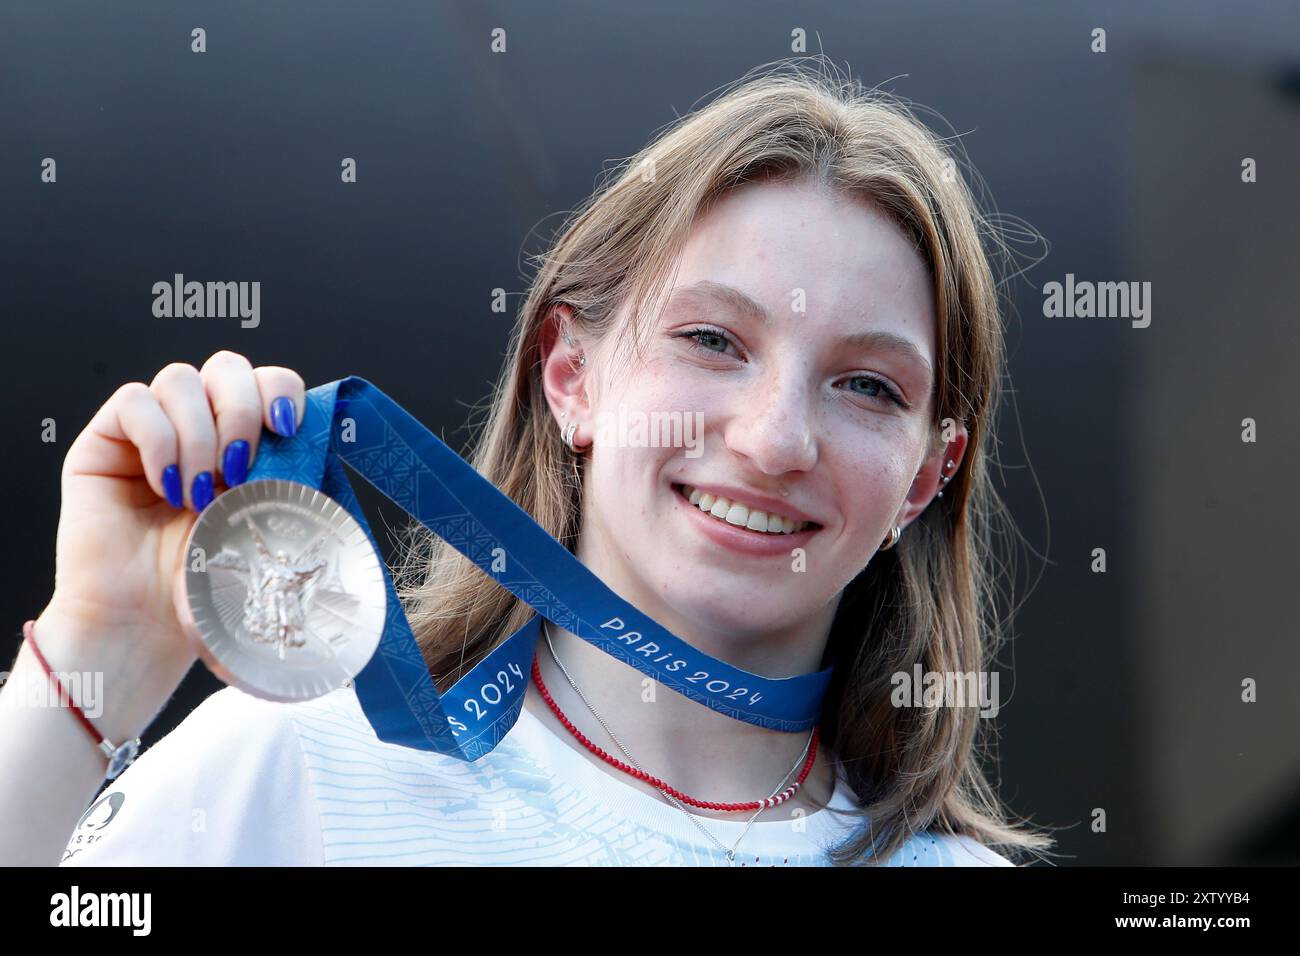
(564,368)
(942,462)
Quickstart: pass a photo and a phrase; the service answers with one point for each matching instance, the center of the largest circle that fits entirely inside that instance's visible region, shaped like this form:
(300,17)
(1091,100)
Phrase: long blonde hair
(930,599)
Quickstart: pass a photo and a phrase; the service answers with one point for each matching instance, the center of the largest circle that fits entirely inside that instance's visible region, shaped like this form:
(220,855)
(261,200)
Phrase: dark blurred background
(225,165)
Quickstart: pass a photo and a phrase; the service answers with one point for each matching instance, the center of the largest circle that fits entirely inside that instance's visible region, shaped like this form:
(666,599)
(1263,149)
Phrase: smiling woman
(798,266)
(792,269)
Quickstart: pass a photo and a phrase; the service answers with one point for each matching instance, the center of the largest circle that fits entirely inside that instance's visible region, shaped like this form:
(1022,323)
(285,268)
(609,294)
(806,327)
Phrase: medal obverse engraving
(278,590)
(292,604)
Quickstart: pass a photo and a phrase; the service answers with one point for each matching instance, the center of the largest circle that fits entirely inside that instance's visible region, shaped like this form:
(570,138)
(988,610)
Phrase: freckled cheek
(660,390)
(624,480)
(671,381)
(872,482)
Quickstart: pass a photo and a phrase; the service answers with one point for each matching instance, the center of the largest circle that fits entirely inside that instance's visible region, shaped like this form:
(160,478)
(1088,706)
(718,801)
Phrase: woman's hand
(133,482)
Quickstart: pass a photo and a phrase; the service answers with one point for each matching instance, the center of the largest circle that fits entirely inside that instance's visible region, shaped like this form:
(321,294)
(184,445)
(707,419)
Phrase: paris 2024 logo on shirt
(90,827)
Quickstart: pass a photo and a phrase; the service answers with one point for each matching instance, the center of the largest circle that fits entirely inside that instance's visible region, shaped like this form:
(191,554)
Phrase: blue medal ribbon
(352,421)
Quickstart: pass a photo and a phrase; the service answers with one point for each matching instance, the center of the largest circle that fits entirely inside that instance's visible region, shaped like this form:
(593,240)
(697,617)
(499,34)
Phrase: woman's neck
(689,746)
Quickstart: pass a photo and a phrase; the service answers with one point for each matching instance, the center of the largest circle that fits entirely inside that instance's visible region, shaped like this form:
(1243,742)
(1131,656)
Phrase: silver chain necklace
(730,853)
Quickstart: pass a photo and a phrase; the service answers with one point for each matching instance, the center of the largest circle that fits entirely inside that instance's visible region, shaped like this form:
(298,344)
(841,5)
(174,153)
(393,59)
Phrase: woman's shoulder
(926,848)
(945,849)
(227,786)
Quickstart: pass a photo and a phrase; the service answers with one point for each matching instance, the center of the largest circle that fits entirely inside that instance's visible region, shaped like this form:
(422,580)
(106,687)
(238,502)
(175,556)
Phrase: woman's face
(798,321)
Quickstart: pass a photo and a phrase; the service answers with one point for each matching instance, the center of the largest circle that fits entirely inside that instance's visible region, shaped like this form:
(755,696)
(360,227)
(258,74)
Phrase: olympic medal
(282,592)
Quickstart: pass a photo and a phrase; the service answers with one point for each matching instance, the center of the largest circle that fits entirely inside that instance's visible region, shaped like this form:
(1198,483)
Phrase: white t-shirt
(248,782)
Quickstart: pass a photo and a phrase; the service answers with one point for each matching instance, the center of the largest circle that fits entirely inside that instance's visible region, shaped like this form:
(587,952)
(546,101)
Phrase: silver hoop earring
(567,434)
(894,534)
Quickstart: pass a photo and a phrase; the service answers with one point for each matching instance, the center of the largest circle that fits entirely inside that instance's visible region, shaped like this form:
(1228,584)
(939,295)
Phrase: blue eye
(891,394)
(696,337)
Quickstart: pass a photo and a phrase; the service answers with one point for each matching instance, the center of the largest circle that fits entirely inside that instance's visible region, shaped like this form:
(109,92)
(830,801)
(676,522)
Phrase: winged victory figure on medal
(280,589)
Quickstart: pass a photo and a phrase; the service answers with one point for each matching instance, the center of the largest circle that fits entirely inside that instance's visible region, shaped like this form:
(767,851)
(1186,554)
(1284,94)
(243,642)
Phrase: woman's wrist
(121,679)
(53,766)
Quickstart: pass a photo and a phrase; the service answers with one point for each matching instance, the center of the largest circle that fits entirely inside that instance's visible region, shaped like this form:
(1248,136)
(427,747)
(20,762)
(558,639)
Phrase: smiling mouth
(739,515)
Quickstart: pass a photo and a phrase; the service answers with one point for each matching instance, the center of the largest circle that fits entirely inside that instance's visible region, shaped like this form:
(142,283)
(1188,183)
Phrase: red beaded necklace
(780,798)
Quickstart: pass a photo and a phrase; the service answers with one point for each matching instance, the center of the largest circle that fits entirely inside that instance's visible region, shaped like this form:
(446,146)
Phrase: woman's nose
(773,425)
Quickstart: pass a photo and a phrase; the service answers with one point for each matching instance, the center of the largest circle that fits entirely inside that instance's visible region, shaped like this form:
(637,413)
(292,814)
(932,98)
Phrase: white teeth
(733,512)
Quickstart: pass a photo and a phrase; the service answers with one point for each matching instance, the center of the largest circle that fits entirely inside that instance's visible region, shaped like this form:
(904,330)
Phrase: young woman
(796,267)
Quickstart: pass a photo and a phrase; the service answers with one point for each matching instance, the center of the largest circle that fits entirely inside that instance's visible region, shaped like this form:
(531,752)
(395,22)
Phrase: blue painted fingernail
(283,417)
(234,463)
(201,490)
(171,481)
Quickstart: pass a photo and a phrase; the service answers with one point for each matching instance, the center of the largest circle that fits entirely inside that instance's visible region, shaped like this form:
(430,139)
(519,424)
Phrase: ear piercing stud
(570,341)
(946,478)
